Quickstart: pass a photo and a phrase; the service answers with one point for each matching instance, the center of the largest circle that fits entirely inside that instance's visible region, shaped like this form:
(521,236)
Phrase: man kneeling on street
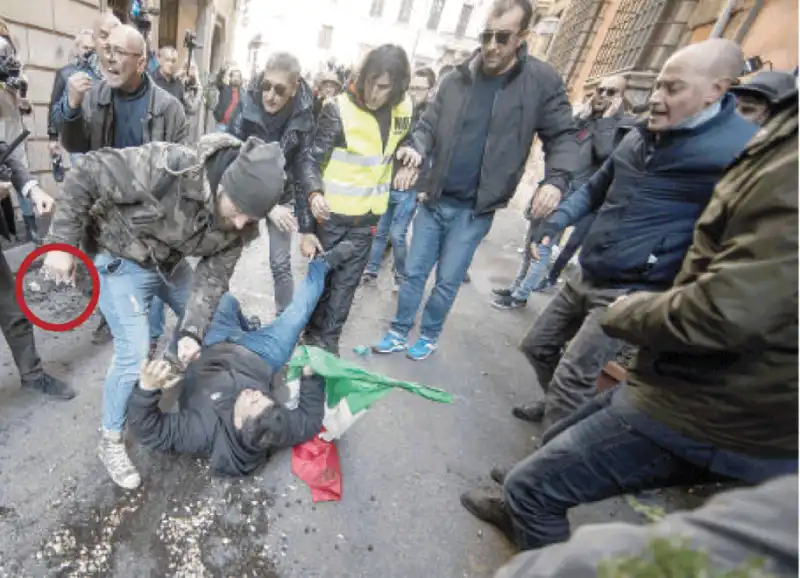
(228,412)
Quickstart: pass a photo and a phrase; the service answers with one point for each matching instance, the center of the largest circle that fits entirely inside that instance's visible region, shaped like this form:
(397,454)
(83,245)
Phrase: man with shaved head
(648,196)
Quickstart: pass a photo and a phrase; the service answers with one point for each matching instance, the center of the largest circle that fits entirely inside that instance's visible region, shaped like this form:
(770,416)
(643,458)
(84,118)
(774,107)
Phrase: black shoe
(533,413)
(151,354)
(502,292)
(369,279)
(102,334)
(49,385)
(499,474)
(253,323)
(32,229)
(339,254)
(508,303)
(487,504)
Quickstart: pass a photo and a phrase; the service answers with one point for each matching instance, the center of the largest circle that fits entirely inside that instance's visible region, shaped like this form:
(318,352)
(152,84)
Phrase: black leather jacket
(295,140)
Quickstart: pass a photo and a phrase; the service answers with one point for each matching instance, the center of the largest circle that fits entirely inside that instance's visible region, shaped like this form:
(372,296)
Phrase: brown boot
(488,505)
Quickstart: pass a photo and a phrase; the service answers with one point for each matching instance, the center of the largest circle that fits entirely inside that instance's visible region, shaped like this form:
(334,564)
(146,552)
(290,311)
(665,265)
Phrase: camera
(140,15)
(11,75)
(190,40)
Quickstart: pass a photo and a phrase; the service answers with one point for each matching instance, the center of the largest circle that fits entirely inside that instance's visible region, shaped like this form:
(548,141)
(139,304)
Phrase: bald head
(693,79)
(125,58)
(716,59)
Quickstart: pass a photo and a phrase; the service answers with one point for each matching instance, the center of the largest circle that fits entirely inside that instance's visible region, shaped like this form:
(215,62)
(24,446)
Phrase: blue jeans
(155,317)
(25,206)
(393,227)
(275,342)
(446,237)
(531,273)
(126,291)
(574,243)
(608,448)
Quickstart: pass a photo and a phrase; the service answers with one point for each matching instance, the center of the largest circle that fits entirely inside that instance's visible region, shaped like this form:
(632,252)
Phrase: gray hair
(284,62)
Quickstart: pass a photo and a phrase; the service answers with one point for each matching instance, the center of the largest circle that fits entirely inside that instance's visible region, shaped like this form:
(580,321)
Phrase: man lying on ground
(227,410)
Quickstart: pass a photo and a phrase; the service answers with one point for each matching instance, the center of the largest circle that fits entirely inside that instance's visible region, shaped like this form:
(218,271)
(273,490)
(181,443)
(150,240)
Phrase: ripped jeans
(126,291)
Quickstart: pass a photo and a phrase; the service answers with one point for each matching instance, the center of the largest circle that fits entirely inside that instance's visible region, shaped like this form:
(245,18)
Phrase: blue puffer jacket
(648,195)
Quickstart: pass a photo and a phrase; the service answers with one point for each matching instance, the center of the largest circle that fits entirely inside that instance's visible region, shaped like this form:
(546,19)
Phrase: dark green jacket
(718,357)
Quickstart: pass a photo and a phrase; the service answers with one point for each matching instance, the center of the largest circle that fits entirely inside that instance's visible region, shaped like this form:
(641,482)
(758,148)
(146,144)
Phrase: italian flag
(350,390)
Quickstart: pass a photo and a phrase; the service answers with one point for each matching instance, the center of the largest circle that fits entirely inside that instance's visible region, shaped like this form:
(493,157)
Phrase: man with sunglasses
(598,122)
(478,132)
(280,108)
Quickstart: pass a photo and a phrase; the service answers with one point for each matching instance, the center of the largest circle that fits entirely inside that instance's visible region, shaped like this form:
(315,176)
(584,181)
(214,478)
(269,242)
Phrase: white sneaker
(112,453)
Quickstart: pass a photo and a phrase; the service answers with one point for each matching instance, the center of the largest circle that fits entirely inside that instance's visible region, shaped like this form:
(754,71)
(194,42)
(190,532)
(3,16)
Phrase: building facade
(594,39)
(433,32)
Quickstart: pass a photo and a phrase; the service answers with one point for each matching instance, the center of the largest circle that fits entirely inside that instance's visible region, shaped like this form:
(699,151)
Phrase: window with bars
(633,35)
(463,20)
(325,39)
(574,34)
(405,11)
(437,7)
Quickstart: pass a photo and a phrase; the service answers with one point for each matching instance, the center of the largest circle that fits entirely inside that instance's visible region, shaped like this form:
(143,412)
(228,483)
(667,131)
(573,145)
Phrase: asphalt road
(404,464)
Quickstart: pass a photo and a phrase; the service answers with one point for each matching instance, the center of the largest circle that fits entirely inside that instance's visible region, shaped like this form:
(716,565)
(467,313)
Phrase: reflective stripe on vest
(358,177)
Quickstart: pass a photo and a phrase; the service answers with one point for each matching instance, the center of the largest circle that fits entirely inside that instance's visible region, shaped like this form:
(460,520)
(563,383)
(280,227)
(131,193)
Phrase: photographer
(13,104)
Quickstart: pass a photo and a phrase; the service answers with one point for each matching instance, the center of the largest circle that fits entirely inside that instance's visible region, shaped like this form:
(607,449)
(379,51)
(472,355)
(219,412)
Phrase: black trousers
(328,319)
(16,328)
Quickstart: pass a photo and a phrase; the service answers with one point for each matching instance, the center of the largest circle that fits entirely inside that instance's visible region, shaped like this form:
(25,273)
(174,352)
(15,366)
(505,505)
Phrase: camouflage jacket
(153,205)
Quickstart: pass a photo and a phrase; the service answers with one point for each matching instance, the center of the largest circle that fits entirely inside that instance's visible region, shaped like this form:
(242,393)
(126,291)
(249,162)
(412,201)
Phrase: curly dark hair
(267,430)
(391,59)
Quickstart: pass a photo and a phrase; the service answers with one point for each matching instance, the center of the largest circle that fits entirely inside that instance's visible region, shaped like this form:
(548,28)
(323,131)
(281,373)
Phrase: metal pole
(723,19)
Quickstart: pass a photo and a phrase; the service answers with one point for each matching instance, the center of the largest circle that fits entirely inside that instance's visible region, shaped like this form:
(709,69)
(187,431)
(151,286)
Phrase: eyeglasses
(279,90)
(118,52)
(606,91)
(501,37)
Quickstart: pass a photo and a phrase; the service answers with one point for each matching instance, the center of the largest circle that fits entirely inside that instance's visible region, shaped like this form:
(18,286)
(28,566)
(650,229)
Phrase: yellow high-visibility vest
(358,177)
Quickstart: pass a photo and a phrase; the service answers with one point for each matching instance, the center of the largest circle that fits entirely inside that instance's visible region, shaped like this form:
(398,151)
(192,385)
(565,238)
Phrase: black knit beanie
(254,180)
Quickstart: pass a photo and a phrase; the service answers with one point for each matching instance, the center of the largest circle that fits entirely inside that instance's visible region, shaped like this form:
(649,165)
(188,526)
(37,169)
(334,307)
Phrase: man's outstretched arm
(183,432)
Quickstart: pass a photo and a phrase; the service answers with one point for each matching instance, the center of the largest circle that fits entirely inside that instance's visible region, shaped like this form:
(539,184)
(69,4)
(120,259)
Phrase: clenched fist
(77,86)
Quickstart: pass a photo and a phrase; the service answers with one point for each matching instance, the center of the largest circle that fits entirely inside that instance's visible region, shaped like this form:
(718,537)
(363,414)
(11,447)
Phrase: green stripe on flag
(346,380)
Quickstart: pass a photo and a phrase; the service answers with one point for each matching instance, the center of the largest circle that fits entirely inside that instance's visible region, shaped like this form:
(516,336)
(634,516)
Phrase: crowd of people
(684,219)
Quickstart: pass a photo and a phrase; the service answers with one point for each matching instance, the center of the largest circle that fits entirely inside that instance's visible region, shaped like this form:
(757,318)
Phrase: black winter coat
(296,139)
(532,102)
(204,425)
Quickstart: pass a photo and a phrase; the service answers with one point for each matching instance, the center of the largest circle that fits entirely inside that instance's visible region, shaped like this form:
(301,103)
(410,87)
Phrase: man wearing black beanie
(149,207)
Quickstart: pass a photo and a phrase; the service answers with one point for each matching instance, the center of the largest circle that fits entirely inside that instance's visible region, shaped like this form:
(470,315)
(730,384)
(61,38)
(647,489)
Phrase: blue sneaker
(422,349)
(391,343)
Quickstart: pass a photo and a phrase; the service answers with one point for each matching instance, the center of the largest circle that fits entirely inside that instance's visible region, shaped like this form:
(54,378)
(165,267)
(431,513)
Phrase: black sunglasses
(500,36)
(607,91)
(279,89)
